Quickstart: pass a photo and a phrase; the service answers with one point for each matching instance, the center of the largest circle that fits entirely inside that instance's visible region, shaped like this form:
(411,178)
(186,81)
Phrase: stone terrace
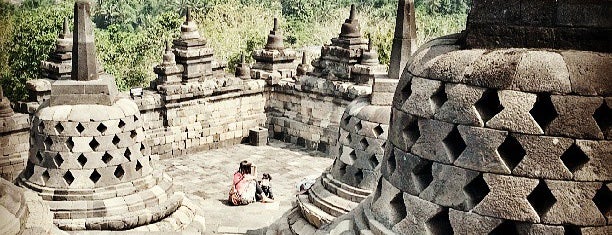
(205,178)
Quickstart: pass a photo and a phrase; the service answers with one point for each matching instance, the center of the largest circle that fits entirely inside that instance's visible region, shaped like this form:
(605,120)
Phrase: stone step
(328,201)
(344,191)
(312,213)
(299,225)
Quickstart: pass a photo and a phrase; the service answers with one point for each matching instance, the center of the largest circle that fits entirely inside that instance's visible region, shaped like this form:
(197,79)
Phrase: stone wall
(175,127)
(14,145)
(308,112)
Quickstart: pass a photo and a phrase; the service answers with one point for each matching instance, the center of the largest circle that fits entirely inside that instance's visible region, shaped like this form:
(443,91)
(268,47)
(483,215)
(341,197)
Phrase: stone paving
(205,178)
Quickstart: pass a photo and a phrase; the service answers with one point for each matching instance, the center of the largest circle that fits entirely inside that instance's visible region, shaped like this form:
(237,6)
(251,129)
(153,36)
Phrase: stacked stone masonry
(14,145)
(478,147)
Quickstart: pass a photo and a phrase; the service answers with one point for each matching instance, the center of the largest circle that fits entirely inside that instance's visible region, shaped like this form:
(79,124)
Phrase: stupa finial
(352,16)
(84,62)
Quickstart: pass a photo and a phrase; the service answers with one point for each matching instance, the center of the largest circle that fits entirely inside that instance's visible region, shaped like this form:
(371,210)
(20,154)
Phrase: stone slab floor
(205,178)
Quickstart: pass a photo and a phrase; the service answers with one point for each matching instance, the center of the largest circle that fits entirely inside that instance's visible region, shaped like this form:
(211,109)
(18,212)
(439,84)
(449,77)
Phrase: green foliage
(131,34)
(33,37)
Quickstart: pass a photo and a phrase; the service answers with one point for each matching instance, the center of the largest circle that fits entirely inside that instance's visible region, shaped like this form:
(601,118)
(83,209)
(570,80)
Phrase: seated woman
(245,188)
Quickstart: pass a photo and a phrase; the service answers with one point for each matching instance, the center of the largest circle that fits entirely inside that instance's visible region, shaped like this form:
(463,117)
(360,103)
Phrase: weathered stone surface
(589,72)
(542,157)
(472,223)
(514,191)
(495,69)
(542,71)
(460,105)
(572,122)
(452,66)
(593,164)
(404,39)
(421,101)
(423,58)
(433,143)
(407,172)
(84,62)
(575,195)
(481,152)
(407,126)
(447,187)
(419,214)
(515,115)
(388,204)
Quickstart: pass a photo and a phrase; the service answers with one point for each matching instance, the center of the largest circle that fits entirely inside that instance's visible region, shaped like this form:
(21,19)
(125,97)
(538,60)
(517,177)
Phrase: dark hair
(242,164)
(267,176)
(246,168)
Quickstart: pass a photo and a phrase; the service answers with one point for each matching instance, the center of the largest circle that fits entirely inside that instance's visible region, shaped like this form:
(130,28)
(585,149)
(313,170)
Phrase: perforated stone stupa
(496,140)
(87,157)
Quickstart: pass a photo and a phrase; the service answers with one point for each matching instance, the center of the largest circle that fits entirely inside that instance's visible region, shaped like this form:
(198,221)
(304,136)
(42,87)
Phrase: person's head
(247,168)
(266,176)
(242,165)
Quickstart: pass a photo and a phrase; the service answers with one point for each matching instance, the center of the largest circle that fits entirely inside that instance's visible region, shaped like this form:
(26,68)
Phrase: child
(266,187)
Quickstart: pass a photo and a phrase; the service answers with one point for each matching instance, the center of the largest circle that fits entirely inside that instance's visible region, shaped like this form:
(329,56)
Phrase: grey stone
(515,115)
(407,172)
(460,105)
(404,40)
(418,215)
(452,66)
(406,130)
(495,69)
(575,195)
(84,62)
(542,71)
(388,207)
(472,223)
(431,144)
(514,191)
(420,102)
(595,164)
(542,157)
(572,122)
(481,152)
(589,72)
(447,187)
(539,229)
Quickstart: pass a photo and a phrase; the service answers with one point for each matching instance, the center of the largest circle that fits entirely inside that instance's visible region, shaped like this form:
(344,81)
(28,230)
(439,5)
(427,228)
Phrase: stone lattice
(495,140)
(87,158)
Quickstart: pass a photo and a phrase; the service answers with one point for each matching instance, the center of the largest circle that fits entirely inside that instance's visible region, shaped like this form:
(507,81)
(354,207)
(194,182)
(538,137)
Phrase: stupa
(87,158)
(337,60)
(504,129)
(274,61)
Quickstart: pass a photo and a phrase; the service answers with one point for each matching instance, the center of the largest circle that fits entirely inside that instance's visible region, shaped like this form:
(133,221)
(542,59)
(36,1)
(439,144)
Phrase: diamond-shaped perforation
(93,144)
(58,159)
(373,161)
(359,176)
(358,127)
(439,98)
(346,120)
(505,228)
(59,128)
(127,154)
(138,166)
(603,117)
(135,118)
(82,160)
(106,158)
(378,131)
(39,157)
(80,128)
(488,105)
(29,170)
(603,200)
(572,230)
(133,134)
(116,140)
(353,156)
(121,124)
(476,190)
(454,144)
(511,152)
(406,91)
(391,162)
(422,174)
(440,224)
(364,143)
(342,167)
(541,199)
(68,177)
(349,138)
(119,172)
(70,143)
(48,142)
(102,128)
(398,208)
(95,176)
(142,148)
(411,132)
(41,127)
(543,111)
(45,176)
(574,158)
